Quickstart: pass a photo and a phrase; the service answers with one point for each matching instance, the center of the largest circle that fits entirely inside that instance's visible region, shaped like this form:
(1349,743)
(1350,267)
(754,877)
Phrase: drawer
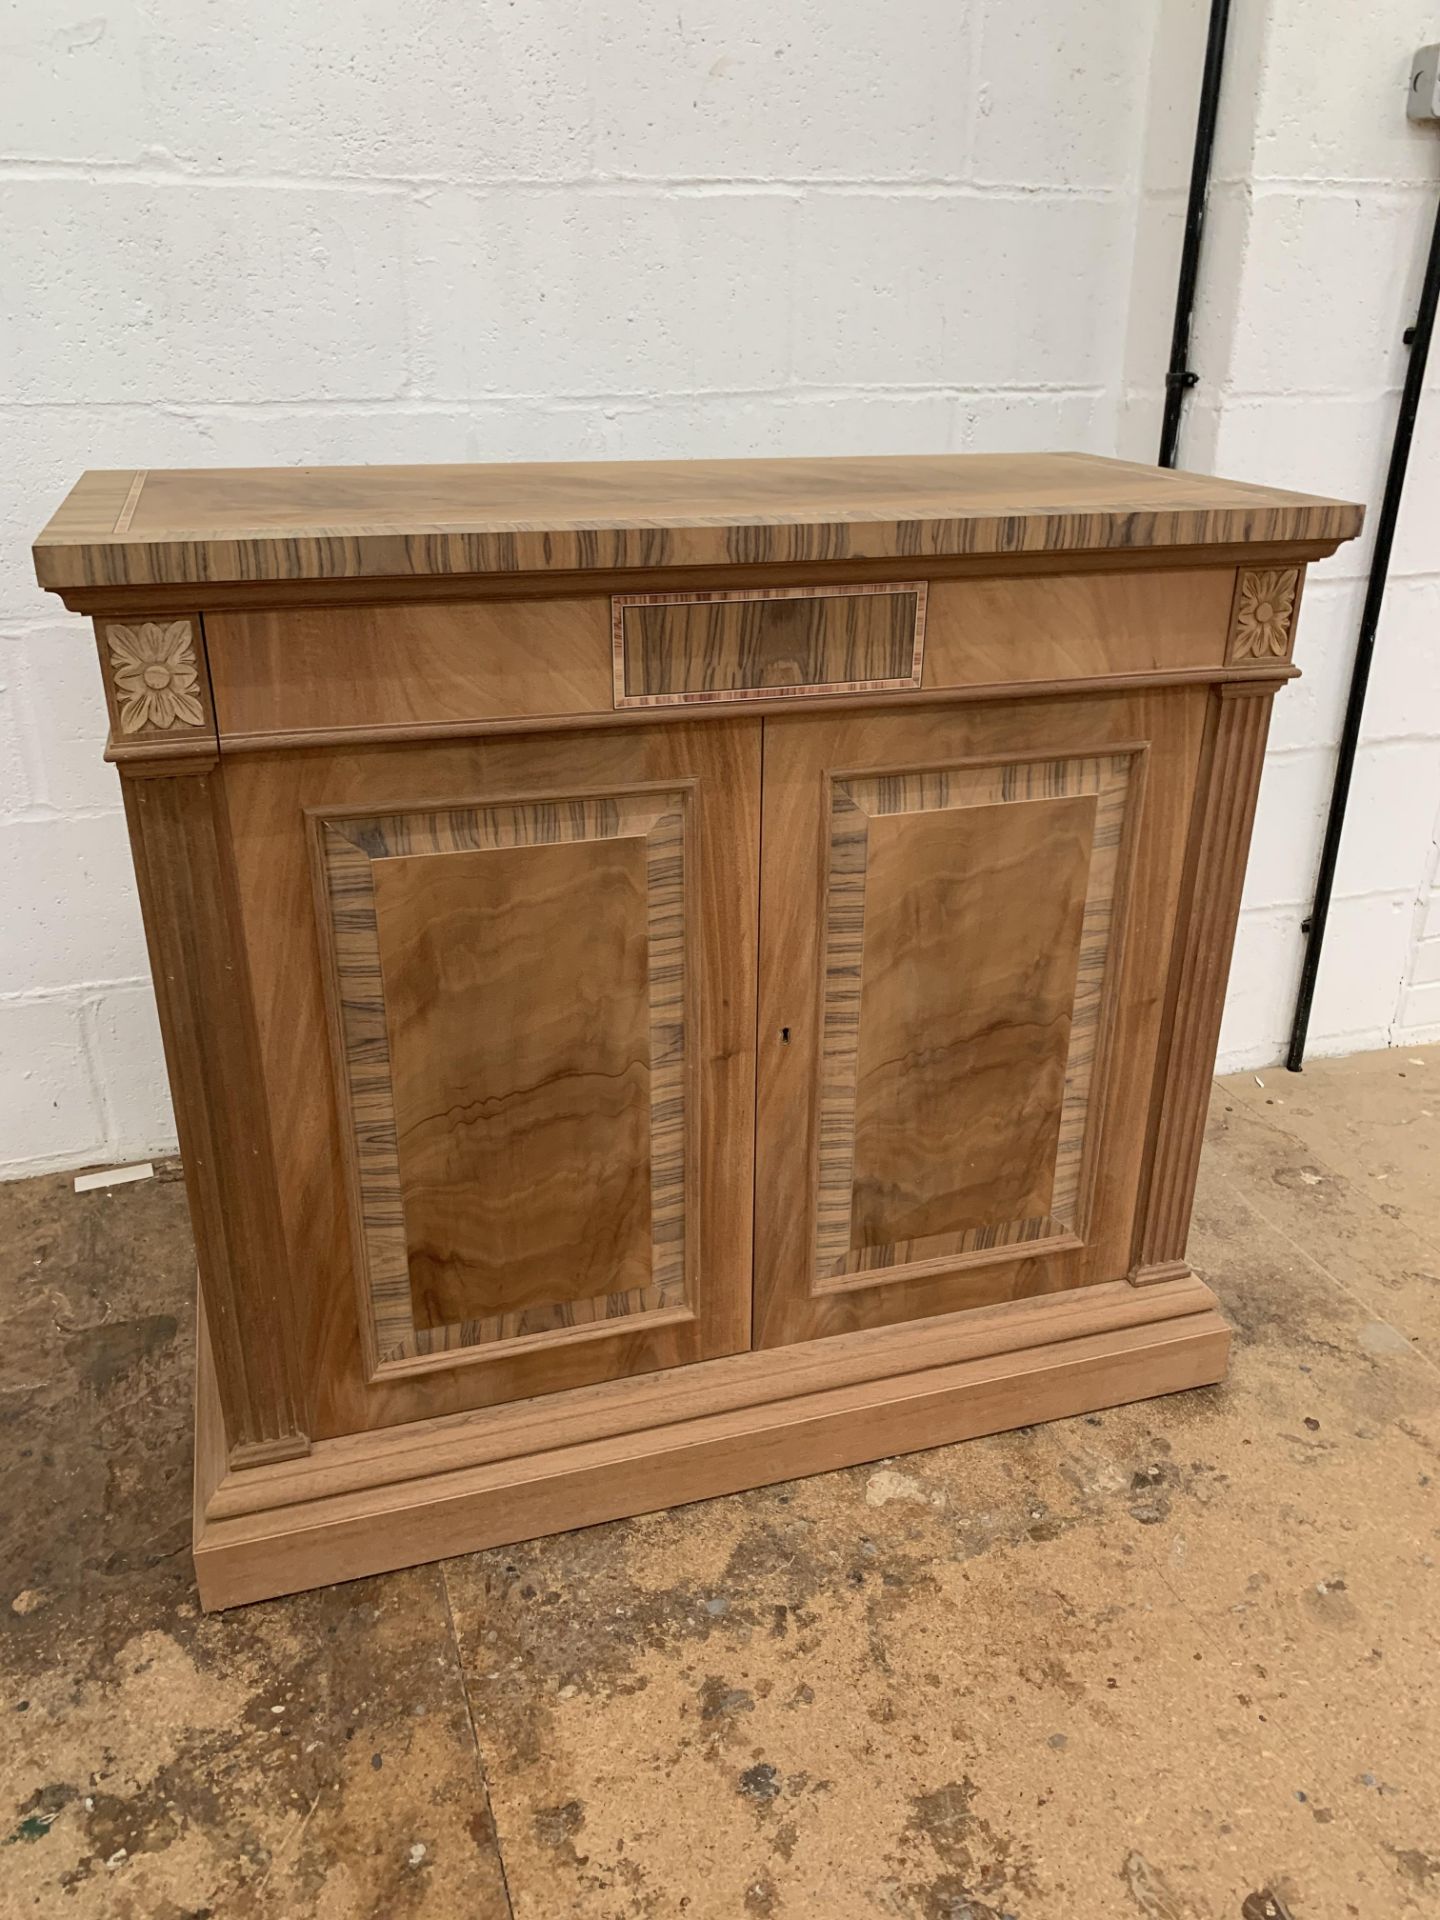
(683,649)
(404,668)
(1068,628)
(386,670)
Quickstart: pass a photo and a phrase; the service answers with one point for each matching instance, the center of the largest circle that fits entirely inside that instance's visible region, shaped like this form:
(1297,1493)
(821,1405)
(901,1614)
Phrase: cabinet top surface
(275,524)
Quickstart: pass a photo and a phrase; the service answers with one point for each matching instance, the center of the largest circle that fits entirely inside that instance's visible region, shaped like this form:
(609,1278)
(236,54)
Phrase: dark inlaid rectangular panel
(516,1004)
(676,649)
(510,996)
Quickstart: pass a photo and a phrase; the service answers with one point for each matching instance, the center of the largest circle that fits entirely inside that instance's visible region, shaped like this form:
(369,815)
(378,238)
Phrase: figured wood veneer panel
(516,997)
(969,927)
(971,948)
(695,648)
(510,988)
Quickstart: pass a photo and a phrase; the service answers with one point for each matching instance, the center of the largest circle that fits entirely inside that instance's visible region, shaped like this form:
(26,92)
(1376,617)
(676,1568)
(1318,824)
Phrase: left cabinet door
(505,995)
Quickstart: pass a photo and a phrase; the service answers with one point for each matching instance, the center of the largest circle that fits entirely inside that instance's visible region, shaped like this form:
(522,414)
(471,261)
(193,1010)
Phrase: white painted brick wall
(466,229)
(1322,209)
(491,229)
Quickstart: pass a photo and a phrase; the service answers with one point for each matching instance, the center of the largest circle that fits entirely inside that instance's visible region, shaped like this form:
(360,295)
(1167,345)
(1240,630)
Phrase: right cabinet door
(967,916)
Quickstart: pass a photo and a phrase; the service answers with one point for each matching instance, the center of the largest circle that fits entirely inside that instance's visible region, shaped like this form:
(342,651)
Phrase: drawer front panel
(310,674)
(1016,630)
(693,649)
(321,670)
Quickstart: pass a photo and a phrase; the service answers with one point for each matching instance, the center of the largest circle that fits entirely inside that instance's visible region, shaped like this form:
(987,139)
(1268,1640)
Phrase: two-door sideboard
(676,976)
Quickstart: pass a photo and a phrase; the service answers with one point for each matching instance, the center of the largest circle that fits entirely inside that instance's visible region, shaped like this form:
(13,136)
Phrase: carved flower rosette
(1264,609)
(156,676)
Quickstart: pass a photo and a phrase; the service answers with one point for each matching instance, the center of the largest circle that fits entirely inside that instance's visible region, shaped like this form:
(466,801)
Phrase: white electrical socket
(1423,100)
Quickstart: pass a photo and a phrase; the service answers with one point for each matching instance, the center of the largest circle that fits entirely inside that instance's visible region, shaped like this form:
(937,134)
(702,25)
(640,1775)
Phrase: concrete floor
(1175,1661)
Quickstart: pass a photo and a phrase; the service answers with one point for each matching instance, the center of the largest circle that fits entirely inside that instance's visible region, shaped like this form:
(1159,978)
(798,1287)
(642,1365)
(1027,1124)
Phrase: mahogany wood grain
(211,1468)
(700,1143)
(450,1067)
(420,733)
(1076,626)
(950,952)
(230,524)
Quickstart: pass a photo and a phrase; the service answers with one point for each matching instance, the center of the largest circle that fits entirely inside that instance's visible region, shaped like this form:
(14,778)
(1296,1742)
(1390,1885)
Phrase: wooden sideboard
(676,976)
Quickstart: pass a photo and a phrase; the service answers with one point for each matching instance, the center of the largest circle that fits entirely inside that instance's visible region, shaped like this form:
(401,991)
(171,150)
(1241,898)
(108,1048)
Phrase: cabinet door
(966,916)
(505,990)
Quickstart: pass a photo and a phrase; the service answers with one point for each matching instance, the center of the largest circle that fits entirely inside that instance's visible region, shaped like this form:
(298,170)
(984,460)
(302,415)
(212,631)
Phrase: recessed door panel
(937,1064)
(965,1017)
(511,991)
(974,906)
(516,1010)
(963,1030)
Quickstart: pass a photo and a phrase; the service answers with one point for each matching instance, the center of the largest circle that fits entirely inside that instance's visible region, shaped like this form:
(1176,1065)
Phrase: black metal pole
(1178,378)
(1417,338)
